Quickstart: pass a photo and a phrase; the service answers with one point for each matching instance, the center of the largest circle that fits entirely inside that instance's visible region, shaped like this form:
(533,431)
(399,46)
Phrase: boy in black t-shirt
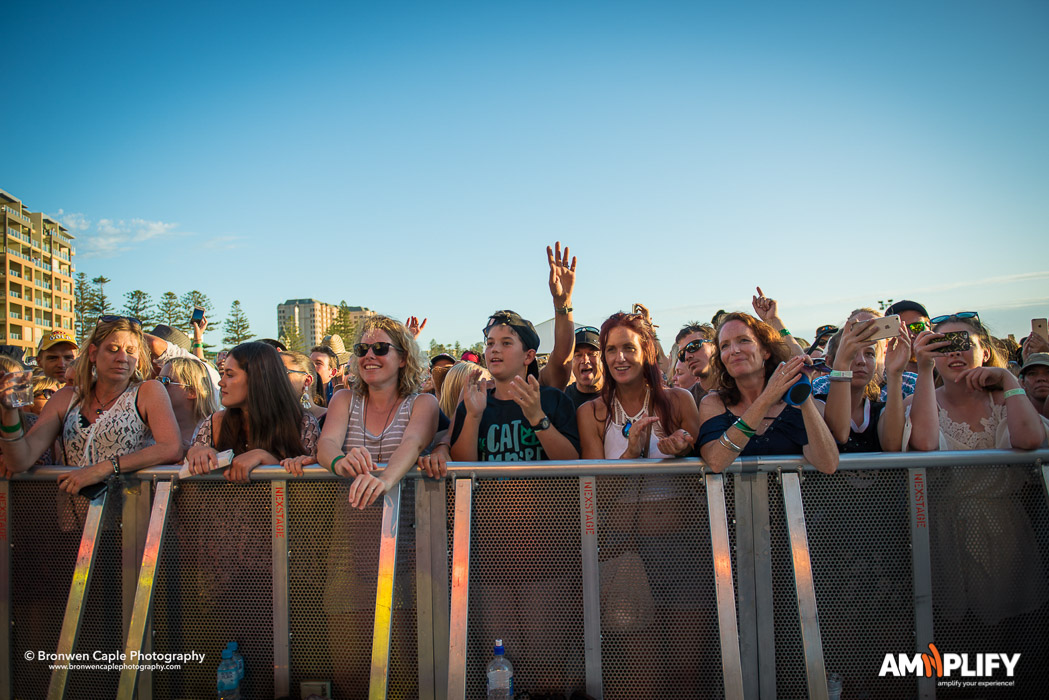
(517,420)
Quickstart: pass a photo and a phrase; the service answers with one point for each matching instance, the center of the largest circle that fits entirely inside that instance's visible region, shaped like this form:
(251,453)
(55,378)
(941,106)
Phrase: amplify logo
(933,664)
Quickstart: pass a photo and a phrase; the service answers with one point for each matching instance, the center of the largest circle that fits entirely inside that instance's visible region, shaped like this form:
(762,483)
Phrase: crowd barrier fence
(629,579)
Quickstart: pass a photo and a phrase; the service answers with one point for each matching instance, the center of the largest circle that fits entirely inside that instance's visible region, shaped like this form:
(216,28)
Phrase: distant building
(314,317)
(37,275)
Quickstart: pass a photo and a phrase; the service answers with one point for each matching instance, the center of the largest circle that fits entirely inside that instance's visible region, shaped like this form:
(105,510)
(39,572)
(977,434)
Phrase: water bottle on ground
(227,682)
(238,659)
(500,674)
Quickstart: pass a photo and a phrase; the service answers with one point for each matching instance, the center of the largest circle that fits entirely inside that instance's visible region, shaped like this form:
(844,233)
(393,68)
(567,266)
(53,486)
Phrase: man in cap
(166,343)
(327,358)
(696,347)
(57,351)
(1034,378)
(516,419)
(586,366)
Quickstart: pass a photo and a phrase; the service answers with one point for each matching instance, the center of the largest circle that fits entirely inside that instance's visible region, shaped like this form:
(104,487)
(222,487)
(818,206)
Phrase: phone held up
(959,342)
(1040,327)
(198,315)
(888,327)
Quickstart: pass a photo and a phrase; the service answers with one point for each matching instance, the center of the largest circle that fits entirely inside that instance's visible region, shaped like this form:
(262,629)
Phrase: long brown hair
(649,370)
(272,408)
(768,339)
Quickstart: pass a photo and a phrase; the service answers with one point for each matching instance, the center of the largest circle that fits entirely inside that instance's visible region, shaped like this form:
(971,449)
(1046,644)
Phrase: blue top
(786,435)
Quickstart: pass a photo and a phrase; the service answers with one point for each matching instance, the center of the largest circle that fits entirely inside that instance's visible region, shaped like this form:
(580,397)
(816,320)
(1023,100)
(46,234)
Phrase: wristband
(839,379)
(197,345)
(116,465)
(12,428)
(332,467)
(563,310)
(1008,394)
(841,373)
(784,332)
(741,426)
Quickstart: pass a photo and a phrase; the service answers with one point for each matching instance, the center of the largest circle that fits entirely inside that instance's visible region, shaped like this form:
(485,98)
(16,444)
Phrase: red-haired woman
(746,414)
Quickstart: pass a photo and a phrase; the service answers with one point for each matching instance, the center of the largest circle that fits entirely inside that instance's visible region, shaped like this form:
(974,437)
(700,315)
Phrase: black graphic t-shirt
(505,436)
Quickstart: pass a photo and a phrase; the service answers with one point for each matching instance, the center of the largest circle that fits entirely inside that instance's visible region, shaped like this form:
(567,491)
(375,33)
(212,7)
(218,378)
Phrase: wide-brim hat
(173,336)
(334,341)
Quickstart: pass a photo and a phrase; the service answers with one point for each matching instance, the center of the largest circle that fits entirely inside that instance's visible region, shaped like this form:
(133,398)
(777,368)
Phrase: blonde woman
(190,392)
(455,381)
(109,421)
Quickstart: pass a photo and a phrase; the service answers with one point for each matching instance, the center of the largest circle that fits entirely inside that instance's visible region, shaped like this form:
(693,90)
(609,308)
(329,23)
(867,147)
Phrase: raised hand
(414,327)
(562,275)
(765,307)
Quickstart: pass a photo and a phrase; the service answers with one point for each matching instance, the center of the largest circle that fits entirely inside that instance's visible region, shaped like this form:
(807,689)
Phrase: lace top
(960,436)
(117,432)
(204,435)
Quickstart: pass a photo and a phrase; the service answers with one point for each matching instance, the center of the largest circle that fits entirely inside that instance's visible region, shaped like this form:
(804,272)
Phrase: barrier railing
(671,582)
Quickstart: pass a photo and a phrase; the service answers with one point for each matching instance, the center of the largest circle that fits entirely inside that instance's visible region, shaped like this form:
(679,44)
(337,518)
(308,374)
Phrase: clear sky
(417,158)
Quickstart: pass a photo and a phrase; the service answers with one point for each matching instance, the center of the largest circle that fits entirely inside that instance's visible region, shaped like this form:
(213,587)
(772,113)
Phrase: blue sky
(416,158)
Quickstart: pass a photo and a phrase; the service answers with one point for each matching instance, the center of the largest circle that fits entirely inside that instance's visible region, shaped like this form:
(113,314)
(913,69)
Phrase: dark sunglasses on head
(168,380)
(694,346)
(826,330)
(380,349)
(959,315)
(110,319)
(589,329)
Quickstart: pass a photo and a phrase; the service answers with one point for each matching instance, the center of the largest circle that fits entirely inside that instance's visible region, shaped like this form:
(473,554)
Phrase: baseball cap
(906,305)
(524,329)
(471,356)
(1036,358)
(588,335)
(441,356)
(55,337)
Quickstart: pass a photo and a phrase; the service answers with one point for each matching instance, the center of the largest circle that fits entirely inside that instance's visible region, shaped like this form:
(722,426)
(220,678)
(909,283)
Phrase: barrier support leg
(917,495)
(136,636)
(431,587)
(591,586)
(794,511)
(78,589)
(460,590)
(281,615)
(381,633)
(731,664)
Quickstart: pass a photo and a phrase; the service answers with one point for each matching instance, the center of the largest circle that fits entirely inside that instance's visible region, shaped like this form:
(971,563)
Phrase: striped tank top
(382,446)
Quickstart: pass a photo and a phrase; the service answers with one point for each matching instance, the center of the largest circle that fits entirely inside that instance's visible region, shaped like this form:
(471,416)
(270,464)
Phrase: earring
(307,404)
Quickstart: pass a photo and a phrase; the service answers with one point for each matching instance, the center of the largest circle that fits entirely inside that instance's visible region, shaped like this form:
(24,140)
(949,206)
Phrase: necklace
(385,423)
(626,420)
(104,406)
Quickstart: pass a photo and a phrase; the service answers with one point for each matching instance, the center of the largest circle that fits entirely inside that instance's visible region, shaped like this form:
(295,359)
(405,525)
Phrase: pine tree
(236,326)
(101,305)
(343,325)
(84,302)
(169,310)
(292,337)
(139,304)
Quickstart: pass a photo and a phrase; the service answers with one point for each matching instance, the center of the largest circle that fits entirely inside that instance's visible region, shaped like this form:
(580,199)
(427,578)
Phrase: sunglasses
(168,380)
(45,394)
(588,329)
(959,315)
(380,349)
(110,319)
(694,346)
(916,327)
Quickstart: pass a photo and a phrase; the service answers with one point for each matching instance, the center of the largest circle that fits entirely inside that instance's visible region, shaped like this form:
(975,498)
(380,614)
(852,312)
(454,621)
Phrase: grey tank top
(381,447)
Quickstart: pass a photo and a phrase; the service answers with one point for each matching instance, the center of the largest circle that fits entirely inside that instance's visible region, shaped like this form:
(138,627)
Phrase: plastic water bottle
(500,674)
(238,659)
(227,682)
(834,685)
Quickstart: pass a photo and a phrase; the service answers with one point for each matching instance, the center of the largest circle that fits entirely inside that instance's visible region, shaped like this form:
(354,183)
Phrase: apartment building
(314,317)
(37,275)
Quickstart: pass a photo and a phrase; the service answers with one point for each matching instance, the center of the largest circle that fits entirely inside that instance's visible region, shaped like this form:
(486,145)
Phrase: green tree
(83,305)
(343,325)
(292,337)
(236,326)
(139,304)
(169,310)
(102,304)
(188,302)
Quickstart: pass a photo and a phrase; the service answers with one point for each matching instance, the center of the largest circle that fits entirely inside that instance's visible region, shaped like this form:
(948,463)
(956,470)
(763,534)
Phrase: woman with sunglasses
(190,391)
(108,422)
(746,414)
(985,555)
(261,421)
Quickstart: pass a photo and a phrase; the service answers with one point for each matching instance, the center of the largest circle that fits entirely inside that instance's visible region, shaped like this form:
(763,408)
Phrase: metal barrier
(671,582)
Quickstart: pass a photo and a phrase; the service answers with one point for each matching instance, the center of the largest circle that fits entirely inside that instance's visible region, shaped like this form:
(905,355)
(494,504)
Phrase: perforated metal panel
(215,585)
(676,654)
(989,534)
(333,562)
(46,526)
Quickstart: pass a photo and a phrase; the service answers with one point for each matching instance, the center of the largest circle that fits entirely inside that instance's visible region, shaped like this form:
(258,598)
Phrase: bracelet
(741,426)
(1015,392)
(563,310)
(332,467)
(727,443)
(16,438)
(116,465)
(12,428)
(784,332)
(197,345)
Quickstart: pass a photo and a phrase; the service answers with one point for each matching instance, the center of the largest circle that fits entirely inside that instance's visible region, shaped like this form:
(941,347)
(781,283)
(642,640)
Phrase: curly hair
(649,371)
(768,339)
(410,377)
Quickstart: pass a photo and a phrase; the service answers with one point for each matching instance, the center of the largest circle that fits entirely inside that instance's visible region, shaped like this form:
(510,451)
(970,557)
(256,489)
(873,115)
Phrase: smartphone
(959,342)
(1040,327)
(888,327)
(198,314)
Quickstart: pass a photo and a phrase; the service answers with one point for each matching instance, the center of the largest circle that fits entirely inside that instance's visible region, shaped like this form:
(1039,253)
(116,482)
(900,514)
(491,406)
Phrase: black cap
(587,335)
(524,329)
(906,305)
(441,356)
